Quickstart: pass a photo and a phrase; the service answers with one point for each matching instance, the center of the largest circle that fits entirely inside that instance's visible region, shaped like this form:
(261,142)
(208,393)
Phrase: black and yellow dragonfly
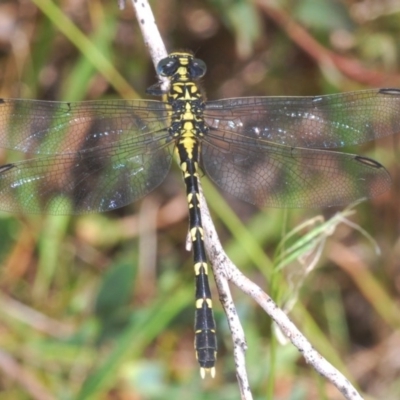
(97,156)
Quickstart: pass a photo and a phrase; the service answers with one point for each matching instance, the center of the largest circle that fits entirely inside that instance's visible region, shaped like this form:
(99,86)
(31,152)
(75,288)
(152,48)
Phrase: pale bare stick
(224,270)
(151,35)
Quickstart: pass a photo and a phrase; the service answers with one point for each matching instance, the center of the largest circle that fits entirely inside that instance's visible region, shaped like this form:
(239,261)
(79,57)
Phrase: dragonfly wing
(94,180)
(268,174)
(331,121)
(44,127)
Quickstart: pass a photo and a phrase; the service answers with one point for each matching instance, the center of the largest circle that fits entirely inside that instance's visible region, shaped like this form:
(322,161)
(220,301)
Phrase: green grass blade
(86,47)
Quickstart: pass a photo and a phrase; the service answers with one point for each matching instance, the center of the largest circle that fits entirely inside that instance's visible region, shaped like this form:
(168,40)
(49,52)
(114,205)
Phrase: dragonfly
(95,156)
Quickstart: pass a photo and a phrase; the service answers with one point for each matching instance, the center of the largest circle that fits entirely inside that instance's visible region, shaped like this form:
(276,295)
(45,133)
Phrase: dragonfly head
(181,66)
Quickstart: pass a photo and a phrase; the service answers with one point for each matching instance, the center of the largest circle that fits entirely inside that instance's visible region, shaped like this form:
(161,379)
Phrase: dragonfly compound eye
(197,68)
(167,66)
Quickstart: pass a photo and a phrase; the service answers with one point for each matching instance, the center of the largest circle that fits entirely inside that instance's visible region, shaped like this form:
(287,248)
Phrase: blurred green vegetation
(101,306)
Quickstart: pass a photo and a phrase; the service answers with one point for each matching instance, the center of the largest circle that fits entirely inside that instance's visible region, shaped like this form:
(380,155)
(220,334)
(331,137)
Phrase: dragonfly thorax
(184,96)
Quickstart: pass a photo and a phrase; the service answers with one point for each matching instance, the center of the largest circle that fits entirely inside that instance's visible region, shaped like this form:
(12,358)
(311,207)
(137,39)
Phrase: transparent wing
(91,156)
(100,179)
(331,121)
(44,127)
(274,175)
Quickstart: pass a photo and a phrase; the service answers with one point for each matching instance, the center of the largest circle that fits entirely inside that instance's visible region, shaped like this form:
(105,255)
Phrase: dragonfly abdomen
(187,127)
(205,336)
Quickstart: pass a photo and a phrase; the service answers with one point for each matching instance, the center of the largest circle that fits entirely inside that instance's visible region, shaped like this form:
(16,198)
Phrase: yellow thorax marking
(177,87)
(188,129)
(190,88)
(188,115)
